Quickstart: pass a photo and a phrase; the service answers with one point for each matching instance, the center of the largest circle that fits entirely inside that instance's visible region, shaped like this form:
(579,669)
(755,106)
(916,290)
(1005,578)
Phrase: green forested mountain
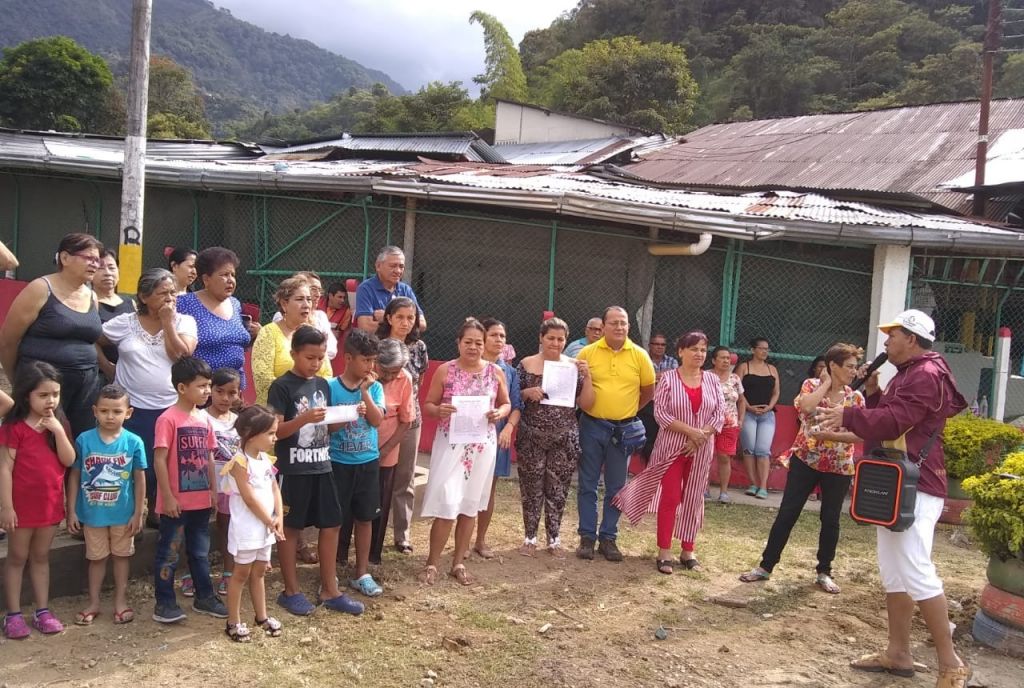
(753,58)
(242,69)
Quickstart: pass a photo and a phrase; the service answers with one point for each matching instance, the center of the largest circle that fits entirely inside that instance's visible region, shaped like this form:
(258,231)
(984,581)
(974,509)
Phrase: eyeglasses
(89,258)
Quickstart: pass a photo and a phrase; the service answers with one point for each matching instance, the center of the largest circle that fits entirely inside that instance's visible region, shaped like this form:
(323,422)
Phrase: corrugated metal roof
(582,152)
(39,142)
(799,216)
(909,150)
(464,145)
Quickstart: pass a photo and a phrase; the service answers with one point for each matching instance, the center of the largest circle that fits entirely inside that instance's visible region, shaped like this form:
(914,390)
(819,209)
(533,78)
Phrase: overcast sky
(414,41)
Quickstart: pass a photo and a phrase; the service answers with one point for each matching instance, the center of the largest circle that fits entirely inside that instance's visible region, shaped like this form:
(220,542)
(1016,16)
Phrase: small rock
(661,633)
(850,639)
(431,674)
(579,627)
(544,629)
(91,663)
(426,682)
(399,598)
(379,616)
(724,649)
(767,616)
(812,605)
(515,620)
(306,640)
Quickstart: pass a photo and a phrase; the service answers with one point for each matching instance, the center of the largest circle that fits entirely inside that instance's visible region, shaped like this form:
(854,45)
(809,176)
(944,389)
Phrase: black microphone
(875,365)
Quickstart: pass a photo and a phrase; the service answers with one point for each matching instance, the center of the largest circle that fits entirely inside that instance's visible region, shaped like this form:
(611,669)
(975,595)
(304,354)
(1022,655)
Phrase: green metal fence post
(735,300)
(195,221)
(366,238)
(723,326)
(16,219)
(551,265)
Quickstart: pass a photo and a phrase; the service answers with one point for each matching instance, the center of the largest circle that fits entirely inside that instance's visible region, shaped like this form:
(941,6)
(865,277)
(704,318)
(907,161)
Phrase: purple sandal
(46,623)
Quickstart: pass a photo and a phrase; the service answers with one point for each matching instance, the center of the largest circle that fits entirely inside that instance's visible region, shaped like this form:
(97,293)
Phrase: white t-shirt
(143,367)
(227,438)
(324,325)
(246,531)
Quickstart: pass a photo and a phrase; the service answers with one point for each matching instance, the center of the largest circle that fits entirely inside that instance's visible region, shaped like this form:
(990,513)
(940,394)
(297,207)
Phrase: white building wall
(515,123)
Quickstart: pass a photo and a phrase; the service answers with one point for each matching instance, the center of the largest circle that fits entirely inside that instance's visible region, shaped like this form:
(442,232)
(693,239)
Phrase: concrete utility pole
(133,178)
(993,34)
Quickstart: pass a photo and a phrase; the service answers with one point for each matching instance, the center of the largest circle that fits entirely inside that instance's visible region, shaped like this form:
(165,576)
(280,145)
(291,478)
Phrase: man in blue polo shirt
(375,293)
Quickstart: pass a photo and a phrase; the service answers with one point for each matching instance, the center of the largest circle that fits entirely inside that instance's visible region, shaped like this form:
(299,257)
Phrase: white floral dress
(460,476)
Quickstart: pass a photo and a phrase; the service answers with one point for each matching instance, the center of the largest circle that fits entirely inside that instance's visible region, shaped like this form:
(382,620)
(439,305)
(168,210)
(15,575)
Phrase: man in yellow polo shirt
(623,379)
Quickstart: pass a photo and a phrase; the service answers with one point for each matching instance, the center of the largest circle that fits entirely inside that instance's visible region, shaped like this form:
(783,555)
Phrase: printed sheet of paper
(469,422)
(345,413)
(559,383)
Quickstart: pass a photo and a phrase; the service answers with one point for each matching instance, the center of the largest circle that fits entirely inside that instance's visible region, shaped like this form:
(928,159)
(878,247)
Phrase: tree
(622,79)
(503,76)
(176,109)
(54,83)
(1011,82)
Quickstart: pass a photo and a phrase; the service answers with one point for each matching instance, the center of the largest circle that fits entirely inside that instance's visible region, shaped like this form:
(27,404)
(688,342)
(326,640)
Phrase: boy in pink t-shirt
(183,448)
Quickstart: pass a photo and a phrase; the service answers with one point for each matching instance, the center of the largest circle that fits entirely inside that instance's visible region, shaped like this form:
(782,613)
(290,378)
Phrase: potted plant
(996,519)
(973,446)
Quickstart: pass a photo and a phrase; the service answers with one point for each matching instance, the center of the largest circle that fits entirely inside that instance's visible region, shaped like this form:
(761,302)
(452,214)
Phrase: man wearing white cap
(914,406)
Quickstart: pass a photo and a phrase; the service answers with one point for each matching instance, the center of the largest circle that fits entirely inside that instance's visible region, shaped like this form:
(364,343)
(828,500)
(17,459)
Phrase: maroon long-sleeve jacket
(917,401)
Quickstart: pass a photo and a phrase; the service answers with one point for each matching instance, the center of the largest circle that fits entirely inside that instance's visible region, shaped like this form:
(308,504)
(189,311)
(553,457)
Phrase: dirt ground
(601,620)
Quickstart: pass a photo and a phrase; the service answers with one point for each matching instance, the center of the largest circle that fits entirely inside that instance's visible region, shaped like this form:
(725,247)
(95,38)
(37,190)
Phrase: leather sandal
(879,663)
(428,576)
(954,678)
(665,566)
(460,574)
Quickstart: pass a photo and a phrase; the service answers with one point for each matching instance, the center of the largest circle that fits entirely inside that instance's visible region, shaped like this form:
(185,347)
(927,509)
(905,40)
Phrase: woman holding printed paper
(548,442)
(469,395)
(494,345)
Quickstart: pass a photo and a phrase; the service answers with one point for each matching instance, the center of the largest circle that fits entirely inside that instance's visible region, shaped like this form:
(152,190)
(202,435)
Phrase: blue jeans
(194,528)
(757,434)
(599,451)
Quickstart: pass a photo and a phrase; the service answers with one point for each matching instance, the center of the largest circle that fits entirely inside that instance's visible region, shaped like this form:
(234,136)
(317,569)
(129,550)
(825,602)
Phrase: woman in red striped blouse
(689,408)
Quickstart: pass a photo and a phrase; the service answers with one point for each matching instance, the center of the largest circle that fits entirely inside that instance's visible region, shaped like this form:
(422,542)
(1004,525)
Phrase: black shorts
(310,500)
(358,489)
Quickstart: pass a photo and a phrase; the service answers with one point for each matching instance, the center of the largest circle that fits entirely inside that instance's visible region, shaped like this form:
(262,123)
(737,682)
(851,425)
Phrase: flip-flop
(755,576)
(428,576)
(85,618)
(124,616)
(486,552)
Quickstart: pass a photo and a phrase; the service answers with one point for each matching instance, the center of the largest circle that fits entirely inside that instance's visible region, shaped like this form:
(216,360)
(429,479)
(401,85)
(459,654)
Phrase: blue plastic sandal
(296,604)
(366,585)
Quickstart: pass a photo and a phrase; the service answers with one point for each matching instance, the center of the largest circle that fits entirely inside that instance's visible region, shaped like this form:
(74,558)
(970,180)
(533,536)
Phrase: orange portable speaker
(885,490)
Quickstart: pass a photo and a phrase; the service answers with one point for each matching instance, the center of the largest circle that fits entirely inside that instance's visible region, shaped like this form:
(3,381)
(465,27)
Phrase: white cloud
(413,41)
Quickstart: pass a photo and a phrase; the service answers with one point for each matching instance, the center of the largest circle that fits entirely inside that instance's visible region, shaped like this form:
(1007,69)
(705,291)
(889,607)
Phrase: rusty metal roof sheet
(908,150)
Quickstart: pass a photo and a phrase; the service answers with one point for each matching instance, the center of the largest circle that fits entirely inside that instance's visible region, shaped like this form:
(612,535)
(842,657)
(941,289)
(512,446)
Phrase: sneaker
(344,603)
(167,614)
(296,604)
(762,493)
(188,588)
(586,548)
(15,627)
(211,606)
(610,550)
(366,585)
(724,498)
(751,491)
(707,496)
(222,585)
(46,623)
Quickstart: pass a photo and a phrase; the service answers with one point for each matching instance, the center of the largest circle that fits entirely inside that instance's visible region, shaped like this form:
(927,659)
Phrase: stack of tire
(999,622)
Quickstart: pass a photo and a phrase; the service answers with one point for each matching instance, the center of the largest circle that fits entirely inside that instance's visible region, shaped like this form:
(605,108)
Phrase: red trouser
(673,485)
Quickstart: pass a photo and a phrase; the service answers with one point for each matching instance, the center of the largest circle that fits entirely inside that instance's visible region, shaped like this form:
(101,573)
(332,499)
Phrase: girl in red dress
(35,451)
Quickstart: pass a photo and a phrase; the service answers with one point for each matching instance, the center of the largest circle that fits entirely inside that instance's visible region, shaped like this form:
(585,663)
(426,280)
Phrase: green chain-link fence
(514,265)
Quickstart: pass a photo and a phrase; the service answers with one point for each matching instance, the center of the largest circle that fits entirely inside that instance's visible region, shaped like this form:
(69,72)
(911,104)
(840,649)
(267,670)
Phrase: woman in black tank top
(55,319)
(761,390)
